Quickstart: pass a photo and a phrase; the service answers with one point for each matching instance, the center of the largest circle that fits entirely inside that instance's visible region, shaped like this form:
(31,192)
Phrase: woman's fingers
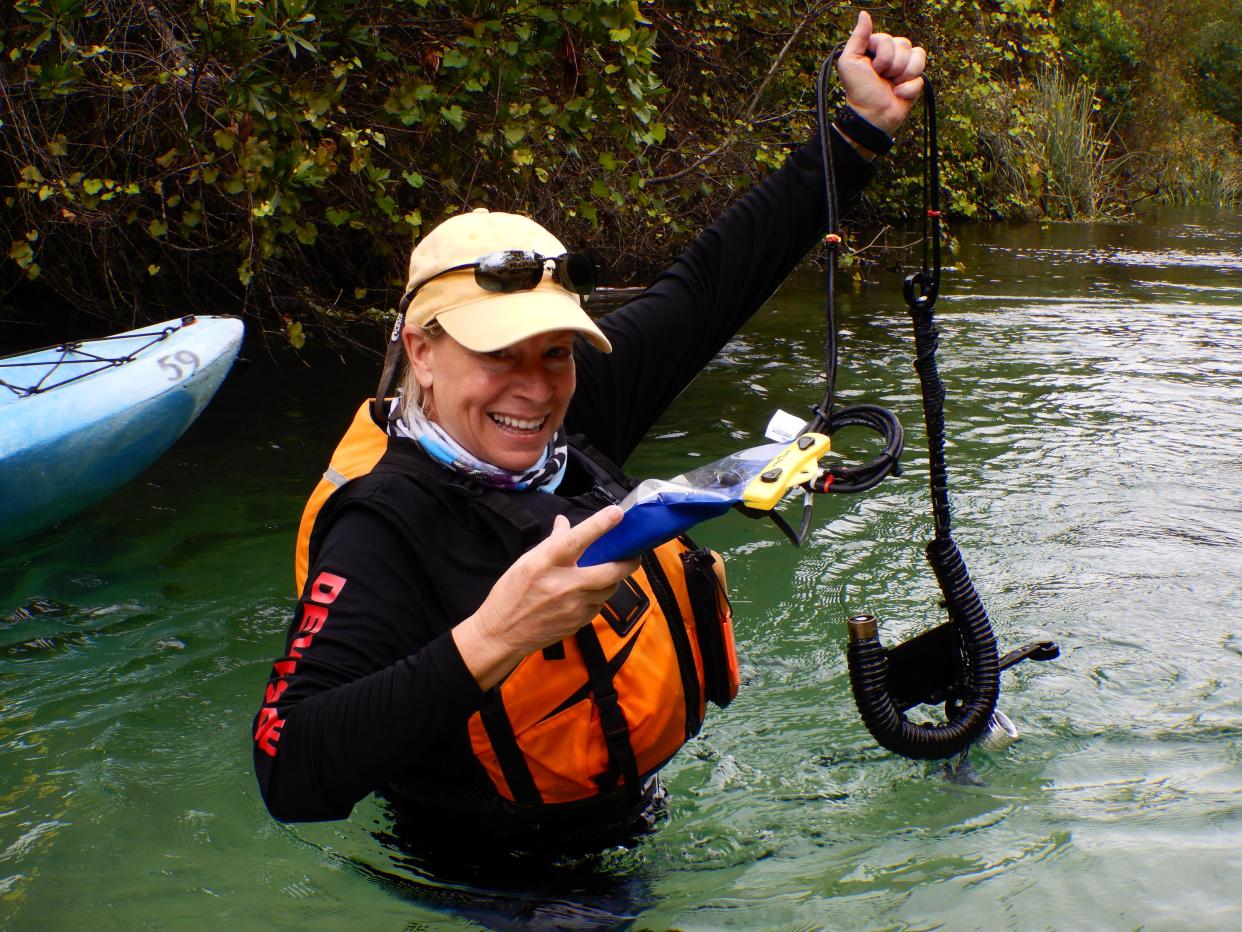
(605,576)
(567,544)
(881,47)
(901,58)
(856,44)
(881,88)
(914,66)
(896,57)
(909,90)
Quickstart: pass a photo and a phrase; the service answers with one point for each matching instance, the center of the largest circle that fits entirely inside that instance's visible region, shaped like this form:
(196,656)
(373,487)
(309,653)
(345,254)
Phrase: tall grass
(1193,161)
(1210,183)
(1079,177)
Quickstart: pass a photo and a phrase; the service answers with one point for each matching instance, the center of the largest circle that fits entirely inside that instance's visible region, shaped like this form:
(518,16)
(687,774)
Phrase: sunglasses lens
(577,271)
(505,272)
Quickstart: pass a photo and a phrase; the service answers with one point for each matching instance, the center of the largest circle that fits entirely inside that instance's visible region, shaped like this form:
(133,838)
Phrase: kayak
(81,419)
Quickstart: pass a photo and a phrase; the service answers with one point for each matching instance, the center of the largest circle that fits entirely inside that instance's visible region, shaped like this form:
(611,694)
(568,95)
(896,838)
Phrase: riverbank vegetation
(281,156)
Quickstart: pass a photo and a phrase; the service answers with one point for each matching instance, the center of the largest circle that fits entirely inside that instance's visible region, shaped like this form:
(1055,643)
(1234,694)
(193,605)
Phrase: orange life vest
(608,707)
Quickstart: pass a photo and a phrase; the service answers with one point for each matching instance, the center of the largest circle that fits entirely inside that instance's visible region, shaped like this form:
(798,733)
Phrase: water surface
(1095,419)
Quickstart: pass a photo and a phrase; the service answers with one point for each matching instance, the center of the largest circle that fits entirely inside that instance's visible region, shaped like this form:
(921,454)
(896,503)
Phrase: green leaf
(297,338)
(21,253)
(454,116)
(157,228)
(338,217)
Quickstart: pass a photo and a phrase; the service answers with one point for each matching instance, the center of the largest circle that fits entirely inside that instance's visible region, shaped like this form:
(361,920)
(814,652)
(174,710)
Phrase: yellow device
(794,465)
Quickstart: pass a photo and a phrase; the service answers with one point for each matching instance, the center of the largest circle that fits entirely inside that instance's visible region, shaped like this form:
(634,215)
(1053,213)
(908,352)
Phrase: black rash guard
(371,692)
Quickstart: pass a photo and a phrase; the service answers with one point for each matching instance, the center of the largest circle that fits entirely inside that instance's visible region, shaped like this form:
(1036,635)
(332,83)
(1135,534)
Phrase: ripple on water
(1095,384)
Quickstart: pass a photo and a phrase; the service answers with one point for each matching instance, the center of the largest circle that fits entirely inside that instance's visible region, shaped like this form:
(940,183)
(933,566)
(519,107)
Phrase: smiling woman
(448,651)
(489,338)
(506,405)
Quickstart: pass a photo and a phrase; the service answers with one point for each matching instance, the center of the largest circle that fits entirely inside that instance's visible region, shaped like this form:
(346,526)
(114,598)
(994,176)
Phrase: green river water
(1095,425)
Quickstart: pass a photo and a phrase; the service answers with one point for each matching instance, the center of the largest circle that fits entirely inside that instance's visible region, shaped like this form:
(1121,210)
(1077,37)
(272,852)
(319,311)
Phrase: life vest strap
(510,757)
(679,634)
(621,760)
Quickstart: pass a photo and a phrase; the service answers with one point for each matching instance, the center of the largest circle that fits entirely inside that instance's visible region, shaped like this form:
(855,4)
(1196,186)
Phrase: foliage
(1217,65)
(1103,47)
(1197,165)
(281,156)
(1070,148)
(278,148)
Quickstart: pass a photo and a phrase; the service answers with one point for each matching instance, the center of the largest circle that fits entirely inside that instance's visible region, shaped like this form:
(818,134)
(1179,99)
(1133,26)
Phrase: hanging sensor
(794,465)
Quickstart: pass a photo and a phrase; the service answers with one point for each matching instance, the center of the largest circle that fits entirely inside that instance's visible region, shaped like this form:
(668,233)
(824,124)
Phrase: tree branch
(816,11)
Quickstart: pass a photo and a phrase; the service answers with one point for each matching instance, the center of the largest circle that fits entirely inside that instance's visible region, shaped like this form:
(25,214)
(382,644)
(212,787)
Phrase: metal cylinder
(999,734)
(863,627)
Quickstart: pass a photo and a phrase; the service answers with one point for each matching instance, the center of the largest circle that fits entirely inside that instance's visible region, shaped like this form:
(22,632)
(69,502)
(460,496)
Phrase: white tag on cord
(784,427)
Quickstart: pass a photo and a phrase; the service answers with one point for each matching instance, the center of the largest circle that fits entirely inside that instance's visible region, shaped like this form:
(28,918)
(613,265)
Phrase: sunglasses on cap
(499,273)
(522,270)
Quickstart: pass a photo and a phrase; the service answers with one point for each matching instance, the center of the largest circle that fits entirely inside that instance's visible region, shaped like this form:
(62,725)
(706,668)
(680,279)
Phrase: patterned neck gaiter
(544,476)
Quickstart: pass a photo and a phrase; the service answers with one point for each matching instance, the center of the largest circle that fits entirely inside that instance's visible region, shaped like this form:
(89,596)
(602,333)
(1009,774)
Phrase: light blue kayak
(79,420)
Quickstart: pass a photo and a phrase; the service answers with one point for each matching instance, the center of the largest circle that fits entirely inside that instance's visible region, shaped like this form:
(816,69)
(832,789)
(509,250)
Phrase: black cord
(827,418)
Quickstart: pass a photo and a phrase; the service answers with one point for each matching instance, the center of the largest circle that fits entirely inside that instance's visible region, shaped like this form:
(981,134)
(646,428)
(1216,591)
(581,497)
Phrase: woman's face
(503,406)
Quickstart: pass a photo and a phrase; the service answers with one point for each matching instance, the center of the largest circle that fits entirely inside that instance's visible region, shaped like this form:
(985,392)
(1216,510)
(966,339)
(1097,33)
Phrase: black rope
(974,678)
(80,358)
(827,419)
(832,240)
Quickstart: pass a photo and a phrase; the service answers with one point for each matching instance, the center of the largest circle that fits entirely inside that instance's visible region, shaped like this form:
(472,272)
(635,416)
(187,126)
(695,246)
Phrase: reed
(1079,176)
(1202,179)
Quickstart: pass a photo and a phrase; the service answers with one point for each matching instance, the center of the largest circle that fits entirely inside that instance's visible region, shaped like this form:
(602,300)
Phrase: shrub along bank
(280,156)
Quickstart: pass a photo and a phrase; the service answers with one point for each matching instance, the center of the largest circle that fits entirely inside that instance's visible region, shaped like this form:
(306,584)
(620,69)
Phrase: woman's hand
(882,88)
(543,598)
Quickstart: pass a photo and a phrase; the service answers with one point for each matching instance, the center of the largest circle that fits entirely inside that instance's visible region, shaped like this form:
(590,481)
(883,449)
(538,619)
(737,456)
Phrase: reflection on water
(1095,424)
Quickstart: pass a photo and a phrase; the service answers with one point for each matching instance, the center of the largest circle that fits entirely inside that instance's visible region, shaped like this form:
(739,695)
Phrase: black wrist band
(866,134)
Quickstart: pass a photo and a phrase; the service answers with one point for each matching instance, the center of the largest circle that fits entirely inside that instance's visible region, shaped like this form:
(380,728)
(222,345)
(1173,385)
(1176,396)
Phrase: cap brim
(500,320)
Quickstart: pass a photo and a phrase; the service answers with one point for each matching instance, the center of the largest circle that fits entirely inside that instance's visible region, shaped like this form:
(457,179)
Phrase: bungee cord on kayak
(46,363)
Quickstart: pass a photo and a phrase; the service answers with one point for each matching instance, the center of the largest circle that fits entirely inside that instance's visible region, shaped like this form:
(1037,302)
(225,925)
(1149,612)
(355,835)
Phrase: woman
(447,651)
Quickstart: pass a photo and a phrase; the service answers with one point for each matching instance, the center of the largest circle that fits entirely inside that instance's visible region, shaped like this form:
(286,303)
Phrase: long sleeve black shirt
(377,691)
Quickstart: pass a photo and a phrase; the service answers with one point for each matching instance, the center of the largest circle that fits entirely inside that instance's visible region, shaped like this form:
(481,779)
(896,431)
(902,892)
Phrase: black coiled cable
(827,419)
(975,685)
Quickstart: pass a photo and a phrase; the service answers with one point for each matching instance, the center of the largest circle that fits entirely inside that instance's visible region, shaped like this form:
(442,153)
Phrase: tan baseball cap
(480,320)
